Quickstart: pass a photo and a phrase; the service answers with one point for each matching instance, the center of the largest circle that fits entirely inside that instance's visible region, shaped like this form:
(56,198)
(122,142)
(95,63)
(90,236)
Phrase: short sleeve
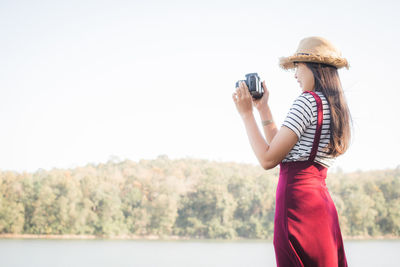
(299,116)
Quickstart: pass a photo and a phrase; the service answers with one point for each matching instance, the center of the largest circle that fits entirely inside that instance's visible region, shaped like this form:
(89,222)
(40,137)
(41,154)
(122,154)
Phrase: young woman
(315,131)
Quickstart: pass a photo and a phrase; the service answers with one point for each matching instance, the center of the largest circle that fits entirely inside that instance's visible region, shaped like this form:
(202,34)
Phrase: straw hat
(315,49)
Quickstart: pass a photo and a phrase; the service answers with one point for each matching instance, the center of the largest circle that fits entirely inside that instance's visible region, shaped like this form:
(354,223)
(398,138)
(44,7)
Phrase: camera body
(253,83)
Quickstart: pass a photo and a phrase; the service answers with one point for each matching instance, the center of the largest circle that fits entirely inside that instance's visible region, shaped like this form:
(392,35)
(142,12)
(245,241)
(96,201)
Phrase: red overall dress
(306,225)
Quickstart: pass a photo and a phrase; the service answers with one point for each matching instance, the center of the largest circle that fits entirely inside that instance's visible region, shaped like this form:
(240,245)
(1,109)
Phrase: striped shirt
(302,120)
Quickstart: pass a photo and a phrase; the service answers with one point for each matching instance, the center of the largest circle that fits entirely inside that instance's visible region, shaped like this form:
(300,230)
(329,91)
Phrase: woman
(315,131)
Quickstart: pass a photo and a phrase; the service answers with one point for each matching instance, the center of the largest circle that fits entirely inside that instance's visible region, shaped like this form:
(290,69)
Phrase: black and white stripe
(302,120)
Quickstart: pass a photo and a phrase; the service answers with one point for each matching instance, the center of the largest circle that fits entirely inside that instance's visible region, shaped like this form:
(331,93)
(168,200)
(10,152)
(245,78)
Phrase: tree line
(185,197)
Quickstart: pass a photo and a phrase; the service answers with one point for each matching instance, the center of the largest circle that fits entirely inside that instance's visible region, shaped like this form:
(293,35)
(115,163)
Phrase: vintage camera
(253,82)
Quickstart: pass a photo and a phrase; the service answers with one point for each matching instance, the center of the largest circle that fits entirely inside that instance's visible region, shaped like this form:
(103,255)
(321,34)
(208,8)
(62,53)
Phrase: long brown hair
(327,81)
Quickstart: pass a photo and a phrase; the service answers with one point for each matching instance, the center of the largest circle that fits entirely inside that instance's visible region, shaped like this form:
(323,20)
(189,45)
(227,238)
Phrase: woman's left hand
(243,100)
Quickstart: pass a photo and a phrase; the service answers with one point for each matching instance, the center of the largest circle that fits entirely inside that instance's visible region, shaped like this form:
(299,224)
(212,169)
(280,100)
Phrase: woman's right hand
(261,103)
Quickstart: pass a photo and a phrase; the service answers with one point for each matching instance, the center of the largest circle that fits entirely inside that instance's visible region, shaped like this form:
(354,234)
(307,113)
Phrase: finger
(234,97)
(239,93)
(244,89)
(241,87)
(265,87)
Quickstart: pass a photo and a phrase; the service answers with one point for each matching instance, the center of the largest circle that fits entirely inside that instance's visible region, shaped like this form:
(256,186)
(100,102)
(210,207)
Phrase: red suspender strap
(320,117)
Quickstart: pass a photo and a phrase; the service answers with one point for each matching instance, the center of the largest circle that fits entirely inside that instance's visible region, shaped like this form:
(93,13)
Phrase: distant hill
(188,198)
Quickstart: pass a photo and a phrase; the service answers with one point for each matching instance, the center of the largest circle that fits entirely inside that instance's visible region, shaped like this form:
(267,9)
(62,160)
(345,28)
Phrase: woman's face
(304,76)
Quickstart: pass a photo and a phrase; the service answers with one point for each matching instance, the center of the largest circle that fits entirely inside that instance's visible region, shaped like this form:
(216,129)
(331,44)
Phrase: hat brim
(288,62)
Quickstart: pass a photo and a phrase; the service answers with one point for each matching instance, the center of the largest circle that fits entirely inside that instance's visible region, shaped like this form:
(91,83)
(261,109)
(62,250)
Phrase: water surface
(101,253)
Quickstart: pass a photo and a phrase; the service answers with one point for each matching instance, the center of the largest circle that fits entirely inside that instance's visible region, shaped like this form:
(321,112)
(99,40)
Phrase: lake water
(101,253)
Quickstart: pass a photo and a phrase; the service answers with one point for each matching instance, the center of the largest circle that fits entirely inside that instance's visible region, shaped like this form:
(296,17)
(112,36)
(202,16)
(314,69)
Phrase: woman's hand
(243,100)
(261,103)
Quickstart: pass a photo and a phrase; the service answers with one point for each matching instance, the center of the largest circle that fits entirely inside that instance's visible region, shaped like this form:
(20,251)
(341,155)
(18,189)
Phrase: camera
(253,83)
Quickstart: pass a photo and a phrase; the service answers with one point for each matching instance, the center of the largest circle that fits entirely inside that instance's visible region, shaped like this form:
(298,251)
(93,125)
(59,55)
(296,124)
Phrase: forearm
(257,142)
(270,130)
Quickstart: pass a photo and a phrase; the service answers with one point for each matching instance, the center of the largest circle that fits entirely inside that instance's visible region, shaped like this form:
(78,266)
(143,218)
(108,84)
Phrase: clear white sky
(81,81)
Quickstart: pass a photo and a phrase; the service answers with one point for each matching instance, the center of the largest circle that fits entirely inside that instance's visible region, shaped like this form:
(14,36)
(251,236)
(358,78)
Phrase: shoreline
(164,238)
